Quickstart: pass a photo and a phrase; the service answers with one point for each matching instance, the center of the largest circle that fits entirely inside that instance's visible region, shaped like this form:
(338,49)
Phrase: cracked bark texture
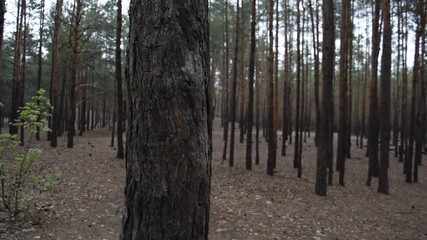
(168,148)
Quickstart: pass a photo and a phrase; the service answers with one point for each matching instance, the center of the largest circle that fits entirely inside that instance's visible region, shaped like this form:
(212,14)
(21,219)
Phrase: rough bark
(169,139)
(324,153)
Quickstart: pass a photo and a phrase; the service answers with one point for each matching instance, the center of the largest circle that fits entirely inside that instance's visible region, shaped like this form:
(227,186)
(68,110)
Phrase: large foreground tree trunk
(168,148)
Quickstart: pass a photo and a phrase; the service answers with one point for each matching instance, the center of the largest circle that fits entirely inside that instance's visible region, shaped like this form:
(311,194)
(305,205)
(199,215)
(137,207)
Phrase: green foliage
(35,113)
(16,164)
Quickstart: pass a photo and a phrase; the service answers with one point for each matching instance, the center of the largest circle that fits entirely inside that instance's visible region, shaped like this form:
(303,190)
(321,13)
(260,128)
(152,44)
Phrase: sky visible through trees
(360,24)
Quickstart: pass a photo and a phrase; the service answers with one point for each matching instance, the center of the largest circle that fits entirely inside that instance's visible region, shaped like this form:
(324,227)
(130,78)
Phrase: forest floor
(88,200)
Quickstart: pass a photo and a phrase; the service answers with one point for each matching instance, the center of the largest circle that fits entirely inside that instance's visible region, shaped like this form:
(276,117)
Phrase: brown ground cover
(88,200)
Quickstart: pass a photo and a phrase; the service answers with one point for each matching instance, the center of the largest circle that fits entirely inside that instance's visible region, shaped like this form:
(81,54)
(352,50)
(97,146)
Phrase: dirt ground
(88,200)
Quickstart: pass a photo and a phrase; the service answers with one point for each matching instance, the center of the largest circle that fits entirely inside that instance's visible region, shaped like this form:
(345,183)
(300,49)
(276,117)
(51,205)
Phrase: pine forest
(213,119)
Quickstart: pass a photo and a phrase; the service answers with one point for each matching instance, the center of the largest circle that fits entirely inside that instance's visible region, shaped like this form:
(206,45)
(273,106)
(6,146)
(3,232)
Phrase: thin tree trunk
(421,109)
(289,91)
(302,98)
(23,71)
(226,102)
(234,87)
(363,120)
(17,81)
(242,76)
(62,117)
(251,88)
(373,126)
(343,104)
(2,13)
(82,108)
(298,90)
(120,106)
(258,103)
(113,128)
(350,86)
(271,136)
(104,112)
(315,32)
(55,75)
(286,85)
(39,56)
(212,97)
(276,76)
(404,131)
(385,113)
(397,102)
(74,75)
(324,153)
(420,119)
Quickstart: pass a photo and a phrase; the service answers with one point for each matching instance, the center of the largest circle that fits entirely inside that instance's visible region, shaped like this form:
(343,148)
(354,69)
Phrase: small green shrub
(17,177)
